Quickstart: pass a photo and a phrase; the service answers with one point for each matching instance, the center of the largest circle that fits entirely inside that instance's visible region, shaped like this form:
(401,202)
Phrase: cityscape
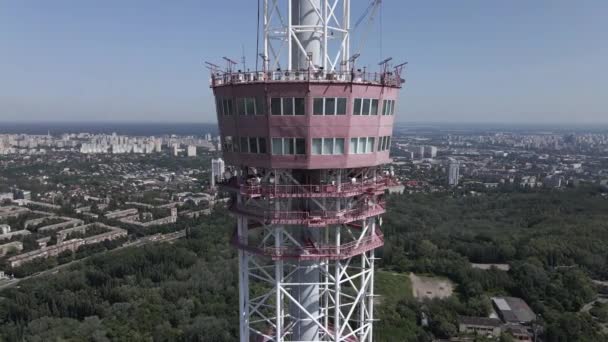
(304,170)
(69,196)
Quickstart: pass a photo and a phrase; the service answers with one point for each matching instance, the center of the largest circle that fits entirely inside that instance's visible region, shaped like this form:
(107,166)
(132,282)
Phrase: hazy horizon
(474,61)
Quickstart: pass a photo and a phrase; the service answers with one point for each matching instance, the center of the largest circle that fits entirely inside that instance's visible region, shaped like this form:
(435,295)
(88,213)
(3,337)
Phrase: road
(139,242)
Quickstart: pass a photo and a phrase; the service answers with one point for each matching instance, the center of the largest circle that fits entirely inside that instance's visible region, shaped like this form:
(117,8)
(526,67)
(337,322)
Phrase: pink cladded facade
(307,126)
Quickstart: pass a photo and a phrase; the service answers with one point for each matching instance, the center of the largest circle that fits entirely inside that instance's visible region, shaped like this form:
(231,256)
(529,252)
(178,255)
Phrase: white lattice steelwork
(307,33)
(300,283)
(306,140)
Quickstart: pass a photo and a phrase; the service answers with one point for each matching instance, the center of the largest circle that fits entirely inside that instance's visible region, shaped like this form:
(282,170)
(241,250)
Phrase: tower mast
(307,148)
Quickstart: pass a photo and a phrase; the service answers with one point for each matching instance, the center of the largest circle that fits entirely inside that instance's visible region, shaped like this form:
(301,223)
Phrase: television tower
(307,139)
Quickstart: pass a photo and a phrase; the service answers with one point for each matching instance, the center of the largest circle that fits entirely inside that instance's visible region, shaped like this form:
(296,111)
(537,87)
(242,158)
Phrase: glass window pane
(240,109)
(220,108)
(384,141)
(375,107)
(260,106)
(379,144)
(353,146)
(275,105)
(357,107)
(388,143)
(253,145)
(341,106)
(318,106)
(262,145)
(328,146)
(366,106)
(250,103)
(244,145)
(317,146)
(300,109)
(277,146)
(384,107)
(362,146)
(339,146)
(229,106)
(370,145)
(288,147)
(300,146)
(288,106)
(330,106)
(393,107)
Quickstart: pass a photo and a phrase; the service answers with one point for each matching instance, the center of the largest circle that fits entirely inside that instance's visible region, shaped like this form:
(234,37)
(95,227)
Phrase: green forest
(554,241)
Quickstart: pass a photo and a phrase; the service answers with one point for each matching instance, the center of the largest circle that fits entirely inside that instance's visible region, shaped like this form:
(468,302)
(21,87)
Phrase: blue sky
(469,61)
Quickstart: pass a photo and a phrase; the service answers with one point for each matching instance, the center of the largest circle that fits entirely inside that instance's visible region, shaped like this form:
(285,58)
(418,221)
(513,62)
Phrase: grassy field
(392,286)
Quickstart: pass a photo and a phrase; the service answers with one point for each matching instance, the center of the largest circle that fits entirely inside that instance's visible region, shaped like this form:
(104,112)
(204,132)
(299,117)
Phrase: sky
(515,61)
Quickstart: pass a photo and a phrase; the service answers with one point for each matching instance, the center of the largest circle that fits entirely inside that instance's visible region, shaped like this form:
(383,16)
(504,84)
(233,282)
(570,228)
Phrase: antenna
(229,64)
(243,58)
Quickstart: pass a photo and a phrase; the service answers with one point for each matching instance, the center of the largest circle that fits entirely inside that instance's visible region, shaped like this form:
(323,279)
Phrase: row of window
(327,146)
(288,146)
(362,145)
(389,107)
(329,106)
(297,146)
(287,106)
(296,106)
(384,143)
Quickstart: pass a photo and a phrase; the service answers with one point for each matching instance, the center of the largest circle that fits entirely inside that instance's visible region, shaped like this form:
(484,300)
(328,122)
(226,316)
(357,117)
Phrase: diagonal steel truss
(281,34)
(346,289)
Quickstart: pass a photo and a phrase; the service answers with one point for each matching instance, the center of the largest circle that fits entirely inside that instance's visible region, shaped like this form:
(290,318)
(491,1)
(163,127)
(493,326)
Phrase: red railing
(312,251)
(390,79)
(312,218)
(309,190)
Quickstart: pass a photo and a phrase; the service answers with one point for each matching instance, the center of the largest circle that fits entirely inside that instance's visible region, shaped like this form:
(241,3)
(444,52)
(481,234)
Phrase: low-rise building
(483,326)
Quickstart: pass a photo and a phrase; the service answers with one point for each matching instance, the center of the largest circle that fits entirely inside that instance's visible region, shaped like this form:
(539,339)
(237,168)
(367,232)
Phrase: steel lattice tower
(306,144)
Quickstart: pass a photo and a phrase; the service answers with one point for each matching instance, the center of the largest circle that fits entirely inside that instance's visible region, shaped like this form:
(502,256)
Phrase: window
(365,106)
(339,146)
(327,146)
(219,107)
(260,108)
(353,145)
(374,107)
(287,106)
(300,146)
(317,106)
(341,110)
(246,106)
(300,108)
(317,146)
(389,107)
(362,145)
(288,146)
(244,145)
(365,110)
(275,105)
(253,145)
(250,105)
(357,107)
(262,145)
(277,146)
(329,106)
(227,105)
(228,144)
(384,143)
